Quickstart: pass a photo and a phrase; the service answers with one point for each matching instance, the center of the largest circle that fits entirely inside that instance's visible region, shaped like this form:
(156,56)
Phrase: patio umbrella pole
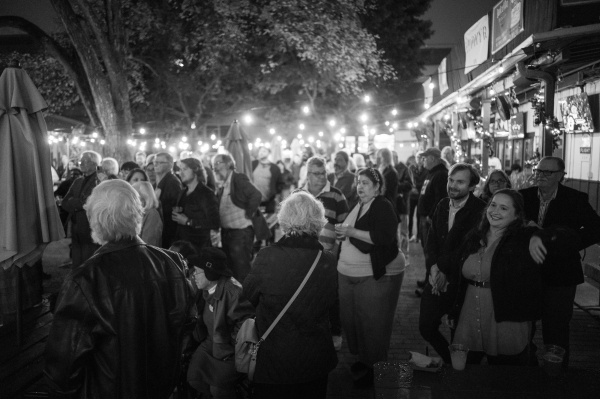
(19,308)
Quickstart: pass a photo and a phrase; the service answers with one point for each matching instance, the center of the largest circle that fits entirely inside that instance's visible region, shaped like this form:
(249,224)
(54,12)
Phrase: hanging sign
(507,23)
(442,78)
(577,117)
(517,126)
(476,44)
(428,91)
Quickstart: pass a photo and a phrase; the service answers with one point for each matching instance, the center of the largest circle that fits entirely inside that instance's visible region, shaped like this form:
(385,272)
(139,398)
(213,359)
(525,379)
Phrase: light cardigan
(152,226)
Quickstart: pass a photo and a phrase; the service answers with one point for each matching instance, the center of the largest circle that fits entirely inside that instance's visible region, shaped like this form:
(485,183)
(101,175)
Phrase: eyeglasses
(546,173)
(158,163)
(499,181)
(318,174)
(217,163)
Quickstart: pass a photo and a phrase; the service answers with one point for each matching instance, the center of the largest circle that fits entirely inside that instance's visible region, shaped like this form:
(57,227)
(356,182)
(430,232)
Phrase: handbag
(247,342)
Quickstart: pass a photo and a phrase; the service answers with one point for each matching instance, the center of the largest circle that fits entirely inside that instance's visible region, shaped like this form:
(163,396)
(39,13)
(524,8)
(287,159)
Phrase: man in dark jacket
(82,245)
(238,203)
(167,190)
(552,206)
(452,220)
(343,179)
(267,178)
(119,318)
(433,190)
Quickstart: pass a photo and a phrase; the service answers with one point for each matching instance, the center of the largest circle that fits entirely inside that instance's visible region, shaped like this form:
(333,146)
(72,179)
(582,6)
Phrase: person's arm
(432,248)
(71,341)
(382,216)
(589,233)
(72,203)
(253,280)
(152,229)
(251,193)
(404,181)
(440,189)
(240,309)
(203,212)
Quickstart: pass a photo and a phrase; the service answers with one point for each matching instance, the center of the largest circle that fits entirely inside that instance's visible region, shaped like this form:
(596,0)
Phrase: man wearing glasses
(569,224)
(168,188)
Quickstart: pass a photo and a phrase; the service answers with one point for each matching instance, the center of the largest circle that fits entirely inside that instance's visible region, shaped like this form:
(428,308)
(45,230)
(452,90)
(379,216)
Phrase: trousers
(433,308)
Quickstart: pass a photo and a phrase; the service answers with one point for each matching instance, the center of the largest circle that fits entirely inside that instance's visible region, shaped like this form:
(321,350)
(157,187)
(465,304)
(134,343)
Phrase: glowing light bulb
(142,130)
(302,127)
(305,109)
(427,106)
(272,131)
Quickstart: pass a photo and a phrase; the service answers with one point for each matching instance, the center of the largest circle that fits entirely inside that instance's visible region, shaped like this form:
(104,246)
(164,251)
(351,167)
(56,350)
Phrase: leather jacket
(118,324)
(230,309)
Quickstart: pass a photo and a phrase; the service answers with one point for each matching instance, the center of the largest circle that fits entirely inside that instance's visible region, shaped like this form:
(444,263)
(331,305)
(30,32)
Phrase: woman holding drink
(370,272)
(499,291)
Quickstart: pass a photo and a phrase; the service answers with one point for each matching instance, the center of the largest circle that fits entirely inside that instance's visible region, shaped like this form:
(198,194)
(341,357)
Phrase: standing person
(222,309)
(149,169)
(371,269)
(336,210)
(267,178)
(403,201)
(118,324)
(553,205)
(152,224)
(110,169)
(499,285)
(295,359)
(140,159)
(497,180)
(197,209)
(307,152)
(343,179)
(168,188)
(390,176)
(135,176)
(238,202)
(453,218)
(82,245)
(418,174)
(434,189)
(126,168)
(448,155)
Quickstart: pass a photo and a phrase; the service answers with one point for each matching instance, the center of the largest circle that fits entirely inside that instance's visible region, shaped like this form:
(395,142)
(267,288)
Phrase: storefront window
(500,150)
(528,149)
(517,152)
(507,152)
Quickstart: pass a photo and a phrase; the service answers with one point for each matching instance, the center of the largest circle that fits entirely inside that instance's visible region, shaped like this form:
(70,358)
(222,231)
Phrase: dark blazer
(433,190)
(299,349)
(118,325)
(381,223)
(569,210)
(441,243)
(275,185)
(390,176)
(244,194)
(515,278)
(170,187)
(73,203)
(202,208)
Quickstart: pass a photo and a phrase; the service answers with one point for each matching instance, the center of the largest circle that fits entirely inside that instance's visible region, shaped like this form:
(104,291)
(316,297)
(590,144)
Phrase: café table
(397,380)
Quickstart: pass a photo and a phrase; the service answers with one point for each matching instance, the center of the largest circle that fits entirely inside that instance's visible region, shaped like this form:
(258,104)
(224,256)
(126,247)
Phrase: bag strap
(291,299)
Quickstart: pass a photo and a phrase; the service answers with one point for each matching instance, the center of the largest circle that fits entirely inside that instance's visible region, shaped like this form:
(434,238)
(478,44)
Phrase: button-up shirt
(544,206)
(232,217)
(455,206)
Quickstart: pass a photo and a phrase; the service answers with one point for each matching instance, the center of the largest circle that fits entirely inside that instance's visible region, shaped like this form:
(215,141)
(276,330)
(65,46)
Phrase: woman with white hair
(296,358)
(125,291)
(152,223)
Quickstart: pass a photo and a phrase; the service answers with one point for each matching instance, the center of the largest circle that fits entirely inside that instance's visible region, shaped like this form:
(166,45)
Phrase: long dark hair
(478,235)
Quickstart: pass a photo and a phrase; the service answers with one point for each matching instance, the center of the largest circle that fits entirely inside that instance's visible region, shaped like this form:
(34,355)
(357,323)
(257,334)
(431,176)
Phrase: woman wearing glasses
(497,180)
(370,272)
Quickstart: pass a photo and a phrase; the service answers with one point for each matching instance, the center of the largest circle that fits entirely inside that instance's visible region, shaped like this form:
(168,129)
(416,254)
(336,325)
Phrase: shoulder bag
(247,342)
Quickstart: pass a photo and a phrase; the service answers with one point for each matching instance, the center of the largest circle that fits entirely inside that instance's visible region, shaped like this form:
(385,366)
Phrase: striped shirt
(336,210)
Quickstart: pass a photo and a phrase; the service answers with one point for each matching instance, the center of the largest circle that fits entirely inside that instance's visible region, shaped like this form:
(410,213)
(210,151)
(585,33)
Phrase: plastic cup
(458,354)
(553,359)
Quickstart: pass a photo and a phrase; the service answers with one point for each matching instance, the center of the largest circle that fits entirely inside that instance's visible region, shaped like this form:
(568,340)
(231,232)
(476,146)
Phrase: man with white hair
(82,246)
(119,318)
(110,168)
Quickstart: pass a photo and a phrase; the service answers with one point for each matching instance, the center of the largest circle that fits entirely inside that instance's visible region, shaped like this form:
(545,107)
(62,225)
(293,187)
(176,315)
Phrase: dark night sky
(451,18)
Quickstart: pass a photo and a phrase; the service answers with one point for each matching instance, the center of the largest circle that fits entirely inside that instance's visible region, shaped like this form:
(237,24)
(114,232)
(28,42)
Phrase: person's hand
(448,321)
(342,231)
(437,280)
(180,218)
(537,250)
(428,219)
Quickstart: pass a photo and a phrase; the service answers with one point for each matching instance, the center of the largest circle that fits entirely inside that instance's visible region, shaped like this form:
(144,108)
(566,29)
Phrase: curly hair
(301,213)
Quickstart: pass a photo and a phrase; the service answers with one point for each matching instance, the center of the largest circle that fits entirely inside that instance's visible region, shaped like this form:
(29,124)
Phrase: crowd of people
(170,266)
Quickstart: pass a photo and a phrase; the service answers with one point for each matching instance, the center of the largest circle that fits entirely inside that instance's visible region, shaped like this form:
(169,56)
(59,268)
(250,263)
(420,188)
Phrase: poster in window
(507,23)
(577,117)
(517,126)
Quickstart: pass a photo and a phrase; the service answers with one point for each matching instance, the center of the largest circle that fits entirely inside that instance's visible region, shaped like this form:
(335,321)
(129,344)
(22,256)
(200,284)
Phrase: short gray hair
(93,155)
(301,213)
(110,166)
(115,211)
(317,161)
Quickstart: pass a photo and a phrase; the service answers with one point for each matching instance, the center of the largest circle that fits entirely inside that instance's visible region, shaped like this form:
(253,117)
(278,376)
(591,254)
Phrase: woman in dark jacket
(390,176)
(198,211)
(222,309)
(371,269)
(499,285)
(296,358)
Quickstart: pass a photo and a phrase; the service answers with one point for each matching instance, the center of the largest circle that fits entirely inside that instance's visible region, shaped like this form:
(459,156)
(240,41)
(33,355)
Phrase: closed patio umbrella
(236,143)
(29,217)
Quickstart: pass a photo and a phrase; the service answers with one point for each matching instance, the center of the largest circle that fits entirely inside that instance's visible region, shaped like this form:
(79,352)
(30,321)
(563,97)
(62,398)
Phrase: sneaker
(337,342)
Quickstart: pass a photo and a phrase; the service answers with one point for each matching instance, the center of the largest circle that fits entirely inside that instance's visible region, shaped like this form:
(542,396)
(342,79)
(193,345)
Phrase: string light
(302,127)
(394,112)
(142,130)
(272,131)
(332,122)
(367,98)
(427,106)
(305,109)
